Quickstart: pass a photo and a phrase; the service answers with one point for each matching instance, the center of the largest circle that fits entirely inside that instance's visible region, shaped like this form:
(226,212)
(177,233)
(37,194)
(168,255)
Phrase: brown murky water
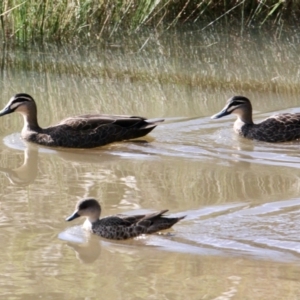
(240,239)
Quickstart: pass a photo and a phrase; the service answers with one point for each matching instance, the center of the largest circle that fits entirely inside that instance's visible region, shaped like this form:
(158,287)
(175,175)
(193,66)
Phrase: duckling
(120,227)
(85,131)
(277,128)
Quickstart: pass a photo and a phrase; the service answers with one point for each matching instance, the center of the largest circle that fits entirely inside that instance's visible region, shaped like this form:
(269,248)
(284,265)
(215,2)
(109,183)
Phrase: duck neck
(31,123)
(87,225)
(244,115)
(245,120)
(92,219)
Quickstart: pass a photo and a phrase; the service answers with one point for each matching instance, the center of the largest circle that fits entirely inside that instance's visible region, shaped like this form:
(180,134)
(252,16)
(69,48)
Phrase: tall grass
(24,21)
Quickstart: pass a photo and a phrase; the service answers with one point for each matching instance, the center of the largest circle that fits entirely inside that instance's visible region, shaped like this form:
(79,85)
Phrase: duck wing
(132,219)
(287,119)
(149,219)
(89,122)
(157,221)
(114,221)
(277,128)
(89,131)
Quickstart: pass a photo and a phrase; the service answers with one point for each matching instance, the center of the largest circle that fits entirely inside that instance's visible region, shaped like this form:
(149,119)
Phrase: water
(239,239)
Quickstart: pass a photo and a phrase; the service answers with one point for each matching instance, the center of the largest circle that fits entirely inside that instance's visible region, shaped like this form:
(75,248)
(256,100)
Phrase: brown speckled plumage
(85,131)
(120,227)
(277,128)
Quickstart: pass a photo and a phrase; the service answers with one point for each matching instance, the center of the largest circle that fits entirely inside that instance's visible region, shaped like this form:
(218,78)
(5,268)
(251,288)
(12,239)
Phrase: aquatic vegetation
(82,21)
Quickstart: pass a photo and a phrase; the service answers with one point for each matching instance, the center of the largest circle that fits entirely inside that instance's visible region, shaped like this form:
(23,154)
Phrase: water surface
(239,239)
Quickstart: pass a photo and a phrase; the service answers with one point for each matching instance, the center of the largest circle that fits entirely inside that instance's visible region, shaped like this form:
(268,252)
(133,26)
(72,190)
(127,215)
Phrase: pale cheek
(233,109)
(21,109)
(13,106)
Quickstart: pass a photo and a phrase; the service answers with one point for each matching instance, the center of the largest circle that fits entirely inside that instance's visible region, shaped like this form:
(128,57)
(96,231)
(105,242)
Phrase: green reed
(24,21)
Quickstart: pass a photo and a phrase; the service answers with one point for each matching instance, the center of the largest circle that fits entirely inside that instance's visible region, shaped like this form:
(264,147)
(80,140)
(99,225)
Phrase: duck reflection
(91,249)
(27,172)
(88,252)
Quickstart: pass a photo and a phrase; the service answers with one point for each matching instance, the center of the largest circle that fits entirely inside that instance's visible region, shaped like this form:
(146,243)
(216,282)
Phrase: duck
(84,131)
(120,227)
(277,128)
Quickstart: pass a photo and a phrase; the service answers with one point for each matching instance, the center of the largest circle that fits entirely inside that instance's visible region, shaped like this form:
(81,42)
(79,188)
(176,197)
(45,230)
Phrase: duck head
(89,208)
(22,103)
(238,105)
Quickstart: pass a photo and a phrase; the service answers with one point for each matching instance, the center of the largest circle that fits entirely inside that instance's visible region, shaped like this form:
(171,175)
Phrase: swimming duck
(120,227)
(277,128)
(85,131)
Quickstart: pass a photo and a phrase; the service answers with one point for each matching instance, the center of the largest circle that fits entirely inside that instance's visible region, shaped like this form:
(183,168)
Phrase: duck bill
(221,114)
(6,110)
(75,215)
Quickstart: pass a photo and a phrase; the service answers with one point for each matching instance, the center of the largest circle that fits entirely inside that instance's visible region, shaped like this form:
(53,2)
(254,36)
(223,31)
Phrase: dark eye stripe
(23,99)
(236,102)
(20,100)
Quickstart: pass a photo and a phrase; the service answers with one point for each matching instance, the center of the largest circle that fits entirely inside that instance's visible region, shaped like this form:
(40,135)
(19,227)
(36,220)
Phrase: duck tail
(160,222)
(151,123)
